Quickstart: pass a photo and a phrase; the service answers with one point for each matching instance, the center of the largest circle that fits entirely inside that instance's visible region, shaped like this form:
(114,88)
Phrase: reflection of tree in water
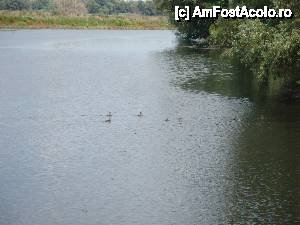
(195,70)
(263,187)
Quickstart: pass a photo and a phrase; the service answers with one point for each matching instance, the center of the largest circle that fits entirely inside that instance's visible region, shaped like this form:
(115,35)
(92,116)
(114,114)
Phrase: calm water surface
(210,149)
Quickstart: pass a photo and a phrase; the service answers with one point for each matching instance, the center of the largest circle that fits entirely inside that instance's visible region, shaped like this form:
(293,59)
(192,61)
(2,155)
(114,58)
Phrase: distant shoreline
(78,28)
(34,20)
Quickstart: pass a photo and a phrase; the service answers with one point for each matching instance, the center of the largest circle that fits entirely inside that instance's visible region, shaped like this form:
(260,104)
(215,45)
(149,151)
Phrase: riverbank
(46,20)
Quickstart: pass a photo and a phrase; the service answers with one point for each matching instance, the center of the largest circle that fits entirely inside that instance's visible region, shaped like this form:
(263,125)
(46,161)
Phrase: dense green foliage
(269,47)
(267,50)
(100,7)
(117,6)
(15,4)
(41,4)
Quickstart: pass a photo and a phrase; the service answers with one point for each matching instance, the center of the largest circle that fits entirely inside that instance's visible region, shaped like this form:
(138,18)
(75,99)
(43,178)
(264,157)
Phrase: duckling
(180,120)
(108,120)
(140,115)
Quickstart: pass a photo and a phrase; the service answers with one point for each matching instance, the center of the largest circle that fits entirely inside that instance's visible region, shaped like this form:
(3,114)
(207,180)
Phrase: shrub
(222,32)
(267,50)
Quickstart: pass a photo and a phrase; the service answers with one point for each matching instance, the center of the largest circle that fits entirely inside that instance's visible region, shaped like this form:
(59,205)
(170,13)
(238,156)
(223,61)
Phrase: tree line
(100,7)
(269,47)
(117,6)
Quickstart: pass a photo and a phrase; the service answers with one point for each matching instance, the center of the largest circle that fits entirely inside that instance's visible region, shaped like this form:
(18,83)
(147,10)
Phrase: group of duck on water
(109,115)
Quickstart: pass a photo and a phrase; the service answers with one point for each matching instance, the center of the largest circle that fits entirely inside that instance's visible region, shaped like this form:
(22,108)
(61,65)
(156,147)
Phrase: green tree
(41,4)
(121,6)
(92,6)
(15,4)
(2,5)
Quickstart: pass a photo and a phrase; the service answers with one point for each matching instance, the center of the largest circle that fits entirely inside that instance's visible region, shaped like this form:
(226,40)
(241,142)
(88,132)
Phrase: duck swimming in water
(140,115)
(109,115)
(108,120)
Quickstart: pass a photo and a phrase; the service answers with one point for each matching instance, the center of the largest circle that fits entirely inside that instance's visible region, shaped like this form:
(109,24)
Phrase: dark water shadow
(265,172)
(194,70)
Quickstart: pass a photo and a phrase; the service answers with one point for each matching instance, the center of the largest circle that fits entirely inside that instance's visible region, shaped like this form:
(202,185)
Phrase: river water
(210,148)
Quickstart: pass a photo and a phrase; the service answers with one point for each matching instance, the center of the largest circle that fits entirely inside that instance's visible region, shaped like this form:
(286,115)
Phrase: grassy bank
(37,20)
